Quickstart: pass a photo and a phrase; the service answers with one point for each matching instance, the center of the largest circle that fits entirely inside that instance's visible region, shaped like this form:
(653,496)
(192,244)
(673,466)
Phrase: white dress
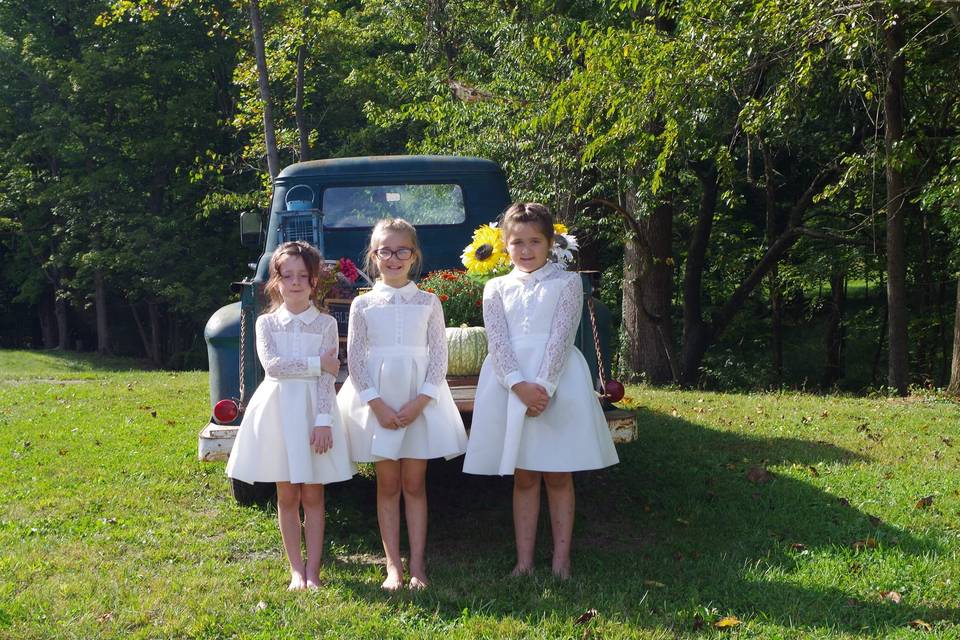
(531,321)
(273,443)
(397,349)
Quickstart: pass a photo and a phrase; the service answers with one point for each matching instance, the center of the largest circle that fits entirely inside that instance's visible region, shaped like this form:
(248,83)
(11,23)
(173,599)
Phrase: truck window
(417,203)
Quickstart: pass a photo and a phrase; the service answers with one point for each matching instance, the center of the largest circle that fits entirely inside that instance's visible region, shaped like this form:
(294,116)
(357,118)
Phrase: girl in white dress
(396,403)
(536,415)
(291,431)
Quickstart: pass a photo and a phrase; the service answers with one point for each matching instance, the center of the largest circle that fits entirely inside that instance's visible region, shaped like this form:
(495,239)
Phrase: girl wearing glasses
(396,403)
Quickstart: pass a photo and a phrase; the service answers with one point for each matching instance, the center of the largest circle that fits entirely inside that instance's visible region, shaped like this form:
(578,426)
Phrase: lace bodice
(546,303)
(387,318)
(290,345)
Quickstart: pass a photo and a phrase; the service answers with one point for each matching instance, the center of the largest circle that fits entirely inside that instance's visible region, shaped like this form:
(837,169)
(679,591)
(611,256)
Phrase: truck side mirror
(251,229)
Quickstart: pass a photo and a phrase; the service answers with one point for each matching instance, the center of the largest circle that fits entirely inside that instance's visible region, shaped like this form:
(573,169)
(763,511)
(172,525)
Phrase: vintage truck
(333,204)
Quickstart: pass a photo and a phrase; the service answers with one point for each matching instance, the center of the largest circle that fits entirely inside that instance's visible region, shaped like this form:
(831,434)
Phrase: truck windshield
(417,203)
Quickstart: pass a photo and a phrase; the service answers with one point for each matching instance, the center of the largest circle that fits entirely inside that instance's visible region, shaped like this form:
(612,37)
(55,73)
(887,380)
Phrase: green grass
(110,527)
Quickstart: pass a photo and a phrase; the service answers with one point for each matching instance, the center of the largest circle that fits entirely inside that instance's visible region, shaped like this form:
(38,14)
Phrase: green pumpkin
(466,349)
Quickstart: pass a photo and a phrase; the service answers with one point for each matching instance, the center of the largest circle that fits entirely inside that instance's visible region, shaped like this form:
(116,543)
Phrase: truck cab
(333,204)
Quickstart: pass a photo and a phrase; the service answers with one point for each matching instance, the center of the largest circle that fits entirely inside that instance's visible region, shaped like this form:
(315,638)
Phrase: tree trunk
(48,321)
(631,360)
(897,366)
(773,229)
(656,284)
(144,339)
(155,333)
(696,333)
(648,286)
(954,386)
(835,338)
(100,305)
(298,105)
(263,81)
(63,326)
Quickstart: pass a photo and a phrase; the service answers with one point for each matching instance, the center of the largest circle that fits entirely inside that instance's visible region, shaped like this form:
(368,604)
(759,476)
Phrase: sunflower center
(484,251)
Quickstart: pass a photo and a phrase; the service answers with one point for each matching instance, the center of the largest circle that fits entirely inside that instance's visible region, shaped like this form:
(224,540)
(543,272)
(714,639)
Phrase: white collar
(306,317)
(406,292)
(539,275)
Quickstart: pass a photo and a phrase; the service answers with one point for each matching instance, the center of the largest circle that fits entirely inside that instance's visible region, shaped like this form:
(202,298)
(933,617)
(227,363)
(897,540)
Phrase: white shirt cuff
(513,378)
(369,394)
(323,420)
(314,366)
(431,390)
(549,387)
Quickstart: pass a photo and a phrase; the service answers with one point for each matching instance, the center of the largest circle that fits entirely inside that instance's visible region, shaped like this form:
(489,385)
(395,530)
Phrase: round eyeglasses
(403,253)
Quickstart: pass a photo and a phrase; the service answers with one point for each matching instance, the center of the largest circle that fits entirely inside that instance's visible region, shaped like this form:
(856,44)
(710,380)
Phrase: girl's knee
(388,485)
(524,480)
(558,481)
(414,485)
(288,495)
(312,496)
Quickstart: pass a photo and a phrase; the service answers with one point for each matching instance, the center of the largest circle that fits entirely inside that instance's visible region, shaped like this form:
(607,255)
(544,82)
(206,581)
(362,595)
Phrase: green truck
(333,204)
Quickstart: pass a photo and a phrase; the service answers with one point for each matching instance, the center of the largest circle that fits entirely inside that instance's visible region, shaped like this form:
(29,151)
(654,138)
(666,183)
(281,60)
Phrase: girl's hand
(386,416)
(321,439)
(330,361)
(412,410)
(532,395)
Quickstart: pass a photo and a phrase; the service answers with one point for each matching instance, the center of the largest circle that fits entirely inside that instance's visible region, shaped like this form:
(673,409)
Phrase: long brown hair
(311,260)
(384,227)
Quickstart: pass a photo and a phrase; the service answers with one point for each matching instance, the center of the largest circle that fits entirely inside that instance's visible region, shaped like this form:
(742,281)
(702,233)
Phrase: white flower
(564,244)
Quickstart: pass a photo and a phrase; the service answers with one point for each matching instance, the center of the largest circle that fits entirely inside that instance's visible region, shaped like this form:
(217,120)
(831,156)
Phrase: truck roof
(381,165)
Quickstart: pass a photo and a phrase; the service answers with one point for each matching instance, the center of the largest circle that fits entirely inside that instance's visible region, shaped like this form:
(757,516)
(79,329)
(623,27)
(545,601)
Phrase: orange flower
(444,297)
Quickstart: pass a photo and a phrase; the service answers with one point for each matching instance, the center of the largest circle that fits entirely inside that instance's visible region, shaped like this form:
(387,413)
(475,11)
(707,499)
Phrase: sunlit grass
(745,505)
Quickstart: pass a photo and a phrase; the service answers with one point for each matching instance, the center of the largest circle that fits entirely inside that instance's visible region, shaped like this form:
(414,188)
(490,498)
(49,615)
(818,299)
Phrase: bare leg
(414,474)
(388,515)
(314,519)
(526,511)
(561,498)
(288,515)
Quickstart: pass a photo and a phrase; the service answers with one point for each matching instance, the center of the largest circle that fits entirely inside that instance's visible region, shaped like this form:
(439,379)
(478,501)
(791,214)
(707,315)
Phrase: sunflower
(486,253)
(560,229)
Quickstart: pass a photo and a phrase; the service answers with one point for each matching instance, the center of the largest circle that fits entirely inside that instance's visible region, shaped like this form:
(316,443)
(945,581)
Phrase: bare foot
(393,582)
(561,570)
(521,570)
(313,582)
(418,583)
(297,582)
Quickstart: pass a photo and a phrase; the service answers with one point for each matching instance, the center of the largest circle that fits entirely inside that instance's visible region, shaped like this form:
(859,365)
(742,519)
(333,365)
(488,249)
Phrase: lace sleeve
(437,348)
(505,362)
(276,366)
(357,352)
(326,392)
(563,332)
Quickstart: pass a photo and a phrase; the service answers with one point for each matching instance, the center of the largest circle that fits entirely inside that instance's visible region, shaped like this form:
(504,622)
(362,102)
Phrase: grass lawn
(796,514)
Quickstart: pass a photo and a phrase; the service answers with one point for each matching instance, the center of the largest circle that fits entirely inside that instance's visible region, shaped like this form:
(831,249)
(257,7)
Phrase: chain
(243,349)
(596,345)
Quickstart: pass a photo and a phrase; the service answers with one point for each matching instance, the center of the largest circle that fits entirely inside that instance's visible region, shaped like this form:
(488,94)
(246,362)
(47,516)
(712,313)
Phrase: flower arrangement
(460,296)
(486,256)
(337,279)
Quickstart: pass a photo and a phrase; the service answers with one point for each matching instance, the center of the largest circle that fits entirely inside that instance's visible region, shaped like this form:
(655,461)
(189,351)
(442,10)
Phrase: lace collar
(306,317)
(539,275)
(406,292)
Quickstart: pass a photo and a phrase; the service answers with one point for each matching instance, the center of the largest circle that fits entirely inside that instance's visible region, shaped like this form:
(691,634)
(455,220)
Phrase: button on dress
(531,321)
(397,349)
(273,443)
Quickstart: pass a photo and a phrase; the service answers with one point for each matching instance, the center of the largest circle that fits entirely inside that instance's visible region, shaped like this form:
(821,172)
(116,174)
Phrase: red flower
(478,303)
(444,297)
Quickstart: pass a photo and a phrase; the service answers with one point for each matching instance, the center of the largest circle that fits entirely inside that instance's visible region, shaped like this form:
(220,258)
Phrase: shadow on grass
(675,529)
(56,362)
